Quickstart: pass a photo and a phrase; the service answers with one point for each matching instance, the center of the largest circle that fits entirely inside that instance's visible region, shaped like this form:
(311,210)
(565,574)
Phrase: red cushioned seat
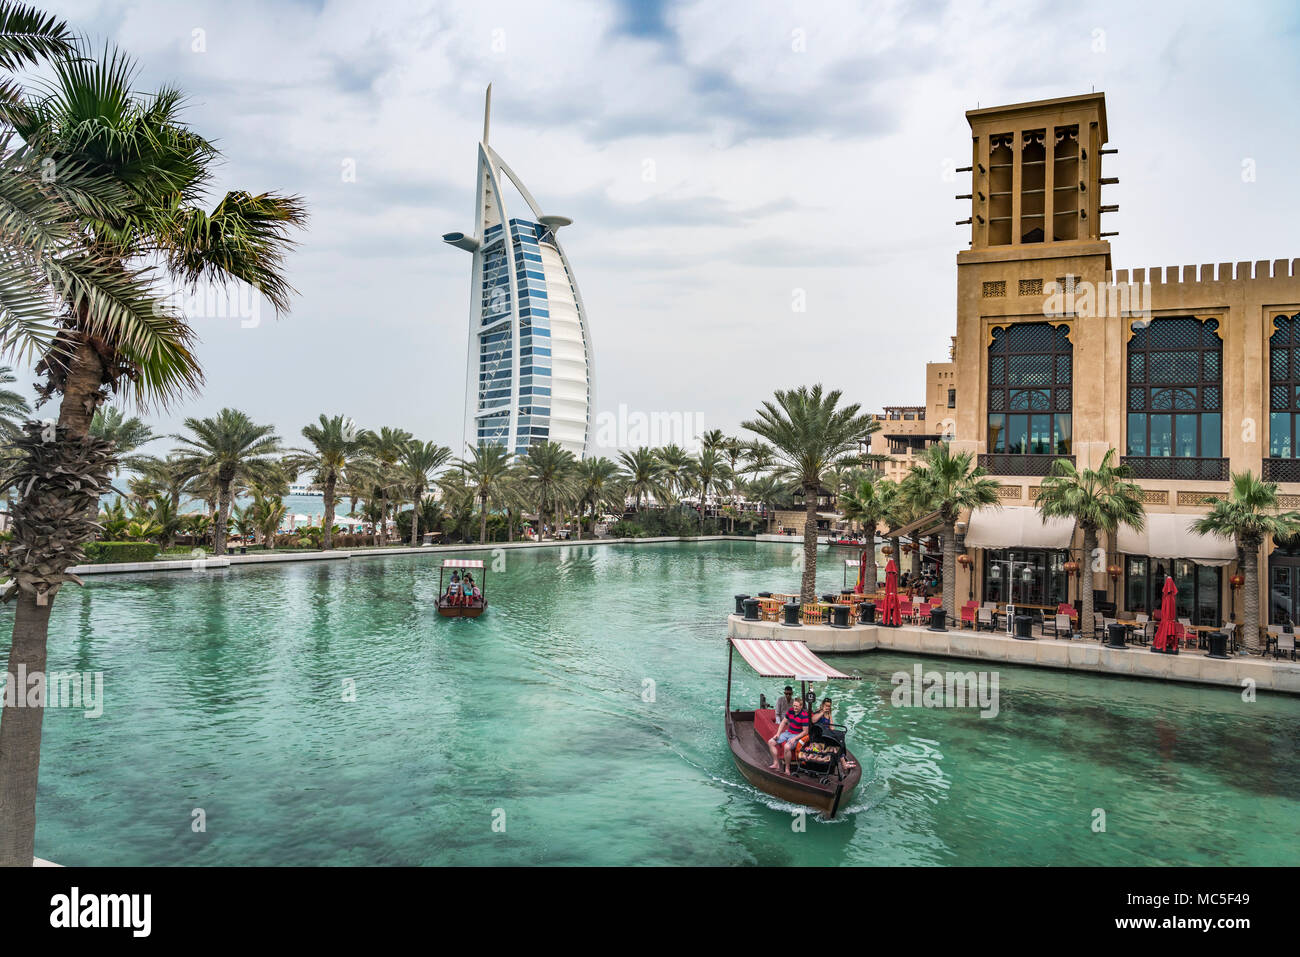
(765,723)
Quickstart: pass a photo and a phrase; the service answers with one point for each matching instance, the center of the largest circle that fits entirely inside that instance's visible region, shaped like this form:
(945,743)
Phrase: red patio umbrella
(891,616)
(862,575)
(1168,616)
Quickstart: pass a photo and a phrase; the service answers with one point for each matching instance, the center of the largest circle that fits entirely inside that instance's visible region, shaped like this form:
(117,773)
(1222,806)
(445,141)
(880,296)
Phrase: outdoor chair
(968,614)
(1060,624)
(1285,645)
(1098,626)
(1230,627)
(985,618)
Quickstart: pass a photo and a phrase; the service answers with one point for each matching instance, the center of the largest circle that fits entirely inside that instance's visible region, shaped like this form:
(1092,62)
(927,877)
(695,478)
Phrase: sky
(761,192)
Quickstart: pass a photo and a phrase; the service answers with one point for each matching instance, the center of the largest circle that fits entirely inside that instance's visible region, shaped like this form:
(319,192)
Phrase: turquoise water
(225,692)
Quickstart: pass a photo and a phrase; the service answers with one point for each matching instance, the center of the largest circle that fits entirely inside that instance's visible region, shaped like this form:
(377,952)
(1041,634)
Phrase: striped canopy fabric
(785,659)
(461,563)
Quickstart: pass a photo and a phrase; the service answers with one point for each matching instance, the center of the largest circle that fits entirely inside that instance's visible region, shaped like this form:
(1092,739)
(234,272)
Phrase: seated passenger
(453,589)
(788,734)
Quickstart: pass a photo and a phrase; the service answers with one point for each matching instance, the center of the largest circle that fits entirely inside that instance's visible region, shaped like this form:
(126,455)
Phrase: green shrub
(625,529)
(106,553)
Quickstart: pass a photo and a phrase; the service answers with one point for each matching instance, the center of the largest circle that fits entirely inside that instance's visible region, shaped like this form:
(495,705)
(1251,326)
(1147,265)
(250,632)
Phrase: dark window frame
(1006,399)
(1168,397)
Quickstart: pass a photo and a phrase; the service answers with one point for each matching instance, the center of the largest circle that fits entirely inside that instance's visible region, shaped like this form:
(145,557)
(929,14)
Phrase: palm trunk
(415,516)
(223,515)
(482,523)
(808,586)
(510,520)
(1250,597)
(20,736)
(20,728)
(950,569)
(1085,580)
(327,533)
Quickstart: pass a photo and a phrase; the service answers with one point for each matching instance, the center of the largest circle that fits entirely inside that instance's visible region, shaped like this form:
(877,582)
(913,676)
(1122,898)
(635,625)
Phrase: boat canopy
(462,563)
(785,659)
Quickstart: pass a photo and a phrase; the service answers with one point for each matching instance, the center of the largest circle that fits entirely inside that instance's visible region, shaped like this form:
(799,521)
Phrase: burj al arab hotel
(529,378)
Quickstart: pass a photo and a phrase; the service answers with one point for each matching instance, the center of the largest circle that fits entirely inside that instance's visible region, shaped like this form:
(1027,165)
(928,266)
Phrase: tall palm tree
(13,407)
(643,475)
(550,471)
(811,434)
(868,504)
(485,471)
(229,448)
(268,512)
(772,492)
(168,475)
(951,484)
(336,445)
(90,123)
(418,467)
(1249,515)
(677,477)
(712,439)
(168,521)
(596,484)
(733,451)
(387,446)
(709,472)
(1097,500)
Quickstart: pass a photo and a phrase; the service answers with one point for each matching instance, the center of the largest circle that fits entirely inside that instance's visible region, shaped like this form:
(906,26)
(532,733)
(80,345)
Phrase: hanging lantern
(1027,575)
(1236,581)
(907,548)
(996,572)
(886,550)
(1113,571)
(1071,568)
(963,561)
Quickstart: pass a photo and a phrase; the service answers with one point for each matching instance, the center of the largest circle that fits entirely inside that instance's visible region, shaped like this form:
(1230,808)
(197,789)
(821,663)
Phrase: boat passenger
(785,702)
(823,715)
(788,734)
(453,589)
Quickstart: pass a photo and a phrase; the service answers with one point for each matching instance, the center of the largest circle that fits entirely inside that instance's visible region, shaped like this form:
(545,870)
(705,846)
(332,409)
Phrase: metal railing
(1177,467)
(1281,470)
(1000,463)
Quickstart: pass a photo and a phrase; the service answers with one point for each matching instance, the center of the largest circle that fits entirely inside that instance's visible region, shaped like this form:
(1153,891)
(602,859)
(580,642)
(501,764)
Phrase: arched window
(1283,387)
(1030,394)
(1175,395)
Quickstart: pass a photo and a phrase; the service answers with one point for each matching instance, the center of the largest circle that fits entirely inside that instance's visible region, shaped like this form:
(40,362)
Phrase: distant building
(906,431)
(529,375)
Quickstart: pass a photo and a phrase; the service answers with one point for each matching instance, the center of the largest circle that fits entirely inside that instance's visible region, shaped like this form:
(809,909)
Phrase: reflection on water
(586,706)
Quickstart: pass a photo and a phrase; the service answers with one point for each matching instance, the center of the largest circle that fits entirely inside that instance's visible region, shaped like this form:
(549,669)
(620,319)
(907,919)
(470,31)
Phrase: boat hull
(752,758)
(461,611)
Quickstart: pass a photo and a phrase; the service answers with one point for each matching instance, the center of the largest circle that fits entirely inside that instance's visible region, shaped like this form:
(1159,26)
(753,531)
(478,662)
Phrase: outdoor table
(1201,632)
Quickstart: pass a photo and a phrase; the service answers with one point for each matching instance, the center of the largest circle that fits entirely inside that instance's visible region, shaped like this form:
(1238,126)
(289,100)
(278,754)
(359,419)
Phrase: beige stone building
(906,431)
(1189,371)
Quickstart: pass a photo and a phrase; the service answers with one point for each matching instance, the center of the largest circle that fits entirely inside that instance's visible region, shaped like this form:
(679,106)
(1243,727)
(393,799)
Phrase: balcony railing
(1000,463)
(1281,470)
(1176,467)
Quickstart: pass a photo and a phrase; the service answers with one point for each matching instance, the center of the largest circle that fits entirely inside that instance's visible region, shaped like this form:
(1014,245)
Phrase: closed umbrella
(1165,634)
(862,575)
(892,615)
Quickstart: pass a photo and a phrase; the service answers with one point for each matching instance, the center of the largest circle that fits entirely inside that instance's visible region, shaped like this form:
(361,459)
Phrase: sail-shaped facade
(529,374)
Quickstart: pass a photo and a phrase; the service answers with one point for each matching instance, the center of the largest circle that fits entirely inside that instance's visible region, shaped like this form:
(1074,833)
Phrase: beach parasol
(1168,617)
(862,575)
(892,615)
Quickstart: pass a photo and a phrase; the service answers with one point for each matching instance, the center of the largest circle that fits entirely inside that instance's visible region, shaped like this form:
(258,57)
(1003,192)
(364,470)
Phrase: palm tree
(1097,500)
(1250,515)
(13,406)
(90,123)
(485,472)
(550,471)
(596,485)
(167,520)
(677,478)
(127,433)
(228,448)
(868,504)
(759,458)
(709,472)
(643,475)
(712,439)
(387,446)
(772,492)
(419,464)
(268,514)
(336,445)
(951,484)
(733,450)
(811,435)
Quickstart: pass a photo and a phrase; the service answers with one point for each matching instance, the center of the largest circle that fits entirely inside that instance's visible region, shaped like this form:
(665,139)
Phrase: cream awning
(1017,527)
(1168,535)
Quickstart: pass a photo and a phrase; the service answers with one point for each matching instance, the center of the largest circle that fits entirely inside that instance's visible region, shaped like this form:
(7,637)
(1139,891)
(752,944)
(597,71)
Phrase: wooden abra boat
(455,601)
(825,771)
